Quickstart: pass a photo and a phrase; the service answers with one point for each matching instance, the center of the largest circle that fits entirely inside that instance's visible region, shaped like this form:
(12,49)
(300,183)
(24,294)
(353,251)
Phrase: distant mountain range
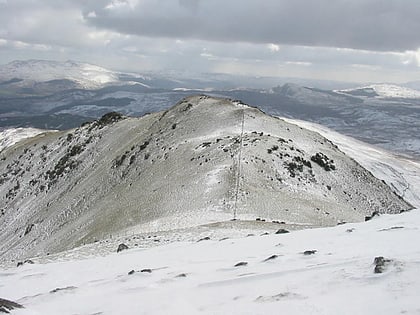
(54,95)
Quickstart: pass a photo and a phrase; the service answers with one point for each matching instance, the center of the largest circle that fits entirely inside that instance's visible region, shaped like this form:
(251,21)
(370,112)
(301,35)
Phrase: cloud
(273,47)
(390,25)
(338,39)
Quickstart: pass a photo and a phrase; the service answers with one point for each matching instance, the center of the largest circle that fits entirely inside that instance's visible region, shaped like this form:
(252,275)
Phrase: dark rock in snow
(6,306)
(204,239)
(282,231)
(309,252)
(381,264)
(181,275)
(27,261)
(121,247)
(131,272)
(240,264)
(146,270)
(63,289)
(270,258)
(374,214)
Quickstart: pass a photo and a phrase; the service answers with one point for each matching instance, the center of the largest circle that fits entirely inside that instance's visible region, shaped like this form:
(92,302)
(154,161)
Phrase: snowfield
(9,137)
(335,276)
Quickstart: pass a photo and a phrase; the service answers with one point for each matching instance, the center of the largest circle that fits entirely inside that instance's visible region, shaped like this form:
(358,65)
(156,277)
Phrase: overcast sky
(347,40)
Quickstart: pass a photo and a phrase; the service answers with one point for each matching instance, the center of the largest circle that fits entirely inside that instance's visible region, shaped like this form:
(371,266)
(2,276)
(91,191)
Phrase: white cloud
(299,63)
(118,4)
(91,14)
(273,47)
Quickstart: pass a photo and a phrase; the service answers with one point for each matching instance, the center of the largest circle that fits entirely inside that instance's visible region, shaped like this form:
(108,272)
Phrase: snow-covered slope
(8,137)
(399,172)
(383,91)
(312,96)
(85,75)
(322,271)
(205,161)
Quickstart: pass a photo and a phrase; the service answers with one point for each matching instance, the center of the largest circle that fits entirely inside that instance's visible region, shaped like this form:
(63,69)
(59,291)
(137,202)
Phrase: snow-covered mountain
(203,162)
(382,91)
(312,96)
(85,75)
(9,137)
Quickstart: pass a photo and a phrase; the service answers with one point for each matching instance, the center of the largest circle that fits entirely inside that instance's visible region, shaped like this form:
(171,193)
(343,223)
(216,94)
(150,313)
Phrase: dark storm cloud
(391,25)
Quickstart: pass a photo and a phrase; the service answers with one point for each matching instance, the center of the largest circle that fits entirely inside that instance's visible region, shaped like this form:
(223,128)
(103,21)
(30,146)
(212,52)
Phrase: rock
(270,258)
(121,247)
(282,231)
(63,289)
(309,252)
(6,305)
(204,239)
(146,270)
(27,261)
(374,214)
(240,264)
(181,275)
(131,272)
(381,264)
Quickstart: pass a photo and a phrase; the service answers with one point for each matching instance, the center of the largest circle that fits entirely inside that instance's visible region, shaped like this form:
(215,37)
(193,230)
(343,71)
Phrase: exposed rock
(309,252)
(370,217)
(121,247)
(282,231)
(27,261)
(241,263)
(69,288)
(6,306)
(272,257)
(381,264)
(147,270)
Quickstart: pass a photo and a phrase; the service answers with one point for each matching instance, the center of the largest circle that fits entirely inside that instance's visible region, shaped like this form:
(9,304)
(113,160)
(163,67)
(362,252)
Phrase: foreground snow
(200,277)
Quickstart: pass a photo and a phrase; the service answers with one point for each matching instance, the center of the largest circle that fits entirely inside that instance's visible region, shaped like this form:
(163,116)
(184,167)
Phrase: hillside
(204,161)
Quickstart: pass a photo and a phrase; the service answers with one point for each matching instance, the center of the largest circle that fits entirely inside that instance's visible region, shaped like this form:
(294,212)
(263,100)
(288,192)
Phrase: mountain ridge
(203,161)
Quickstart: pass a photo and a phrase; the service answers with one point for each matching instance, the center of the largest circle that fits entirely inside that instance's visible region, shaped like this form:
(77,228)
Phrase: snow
(200,277)
(388,91)
(87,75)
(8,137)
(400,172)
